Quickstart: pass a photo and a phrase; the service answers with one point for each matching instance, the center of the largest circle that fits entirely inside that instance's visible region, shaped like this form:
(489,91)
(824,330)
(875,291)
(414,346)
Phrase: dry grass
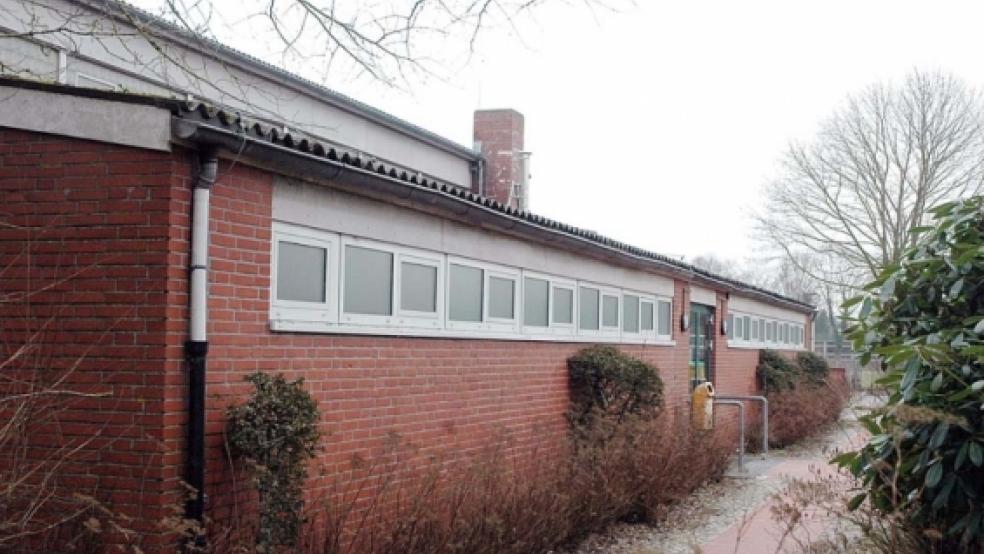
(494,503)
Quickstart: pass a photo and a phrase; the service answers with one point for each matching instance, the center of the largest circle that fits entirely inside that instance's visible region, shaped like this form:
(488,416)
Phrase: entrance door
(701,344)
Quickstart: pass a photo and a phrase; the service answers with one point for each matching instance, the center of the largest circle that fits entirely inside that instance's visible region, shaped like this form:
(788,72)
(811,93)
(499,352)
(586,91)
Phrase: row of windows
(753,330)
(355,284)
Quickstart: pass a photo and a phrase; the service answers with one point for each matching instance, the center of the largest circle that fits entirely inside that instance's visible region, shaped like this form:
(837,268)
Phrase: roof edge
(123,12)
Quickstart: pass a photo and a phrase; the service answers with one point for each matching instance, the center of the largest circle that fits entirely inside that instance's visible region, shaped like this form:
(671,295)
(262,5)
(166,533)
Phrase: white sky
(659,125)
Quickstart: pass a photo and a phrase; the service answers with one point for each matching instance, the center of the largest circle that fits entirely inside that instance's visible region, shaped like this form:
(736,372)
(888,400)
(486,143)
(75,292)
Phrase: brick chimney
(505,177)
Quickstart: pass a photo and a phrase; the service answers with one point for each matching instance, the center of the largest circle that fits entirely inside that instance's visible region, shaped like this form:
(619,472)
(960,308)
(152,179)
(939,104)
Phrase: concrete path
(757,533)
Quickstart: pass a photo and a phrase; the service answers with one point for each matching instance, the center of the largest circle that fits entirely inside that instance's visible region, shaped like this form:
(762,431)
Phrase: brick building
(181,246)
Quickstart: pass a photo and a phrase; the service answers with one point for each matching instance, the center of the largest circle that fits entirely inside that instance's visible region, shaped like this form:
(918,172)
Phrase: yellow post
(702,407)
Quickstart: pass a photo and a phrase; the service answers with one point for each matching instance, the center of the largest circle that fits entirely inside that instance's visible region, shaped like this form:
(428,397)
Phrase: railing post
(765,414)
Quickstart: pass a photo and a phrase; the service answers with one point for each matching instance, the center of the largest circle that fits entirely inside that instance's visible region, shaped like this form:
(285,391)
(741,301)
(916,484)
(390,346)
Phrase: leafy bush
(813,366)
(276,432)
(606,381)
(775,372)
(924,319)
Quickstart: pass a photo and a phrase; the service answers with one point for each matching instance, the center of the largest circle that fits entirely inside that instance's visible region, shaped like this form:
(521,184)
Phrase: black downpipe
(196,353)
(196,347)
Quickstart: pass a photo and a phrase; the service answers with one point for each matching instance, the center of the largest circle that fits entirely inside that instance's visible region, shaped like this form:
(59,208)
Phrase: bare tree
(389,41)
(851,198)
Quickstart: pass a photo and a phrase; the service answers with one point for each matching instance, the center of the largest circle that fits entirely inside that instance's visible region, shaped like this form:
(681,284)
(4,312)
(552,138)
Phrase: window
(563,305)
(368,287)
(502,298)
(536,302)
(609,311)
(762,330)
(739,327)
(335,283)
(647,316)
(665,314)
(630,313)
(588,309)
(302,272)
(465,293)
(730,326)
(303,275)
(755,330)
(746,325)
(418,287)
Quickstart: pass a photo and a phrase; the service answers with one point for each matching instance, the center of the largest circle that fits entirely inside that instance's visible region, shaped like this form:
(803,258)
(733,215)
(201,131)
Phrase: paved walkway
(757,533)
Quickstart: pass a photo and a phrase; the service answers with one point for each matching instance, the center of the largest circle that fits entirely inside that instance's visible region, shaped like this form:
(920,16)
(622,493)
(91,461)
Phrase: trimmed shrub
(276,432)
(801,399)
(813,366)
(607,382)
(775,372)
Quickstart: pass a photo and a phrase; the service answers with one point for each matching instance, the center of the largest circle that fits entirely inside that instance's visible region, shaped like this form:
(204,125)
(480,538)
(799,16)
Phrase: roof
(125,11)
(240,130)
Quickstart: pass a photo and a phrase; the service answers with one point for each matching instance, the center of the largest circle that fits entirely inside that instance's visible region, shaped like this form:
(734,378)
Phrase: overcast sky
(659,125)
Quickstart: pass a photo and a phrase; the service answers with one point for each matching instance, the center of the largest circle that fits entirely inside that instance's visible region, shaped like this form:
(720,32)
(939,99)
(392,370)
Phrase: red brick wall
(114,223)
(431,392)
(84,228)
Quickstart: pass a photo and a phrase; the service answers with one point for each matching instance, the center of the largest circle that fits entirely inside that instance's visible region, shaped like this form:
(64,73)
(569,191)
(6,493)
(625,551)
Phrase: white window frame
(655,303)
(368,320)
(329,316)
(606,330)
(640,333)
(578,307)
(536,329)
(464,325)
(499,324)
(286,311)
(668,337)
(556,328)
(414,318)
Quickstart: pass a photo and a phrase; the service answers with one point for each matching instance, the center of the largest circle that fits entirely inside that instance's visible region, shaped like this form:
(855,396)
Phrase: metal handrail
(741,427)
(765,414)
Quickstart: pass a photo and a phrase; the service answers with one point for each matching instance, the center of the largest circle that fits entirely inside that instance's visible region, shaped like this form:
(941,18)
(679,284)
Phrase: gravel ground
(711,509)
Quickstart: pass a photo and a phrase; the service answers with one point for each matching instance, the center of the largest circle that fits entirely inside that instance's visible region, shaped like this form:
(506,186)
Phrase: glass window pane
(609,308)
(755,329)
(300,272)
(563,306)
(739,333)
(588,310)
(731,326)
(368,281)
(465,298)
(665,313)
(418,287)
(747,325)
(646,316)
(502,297)
(536,295)
(630,315)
